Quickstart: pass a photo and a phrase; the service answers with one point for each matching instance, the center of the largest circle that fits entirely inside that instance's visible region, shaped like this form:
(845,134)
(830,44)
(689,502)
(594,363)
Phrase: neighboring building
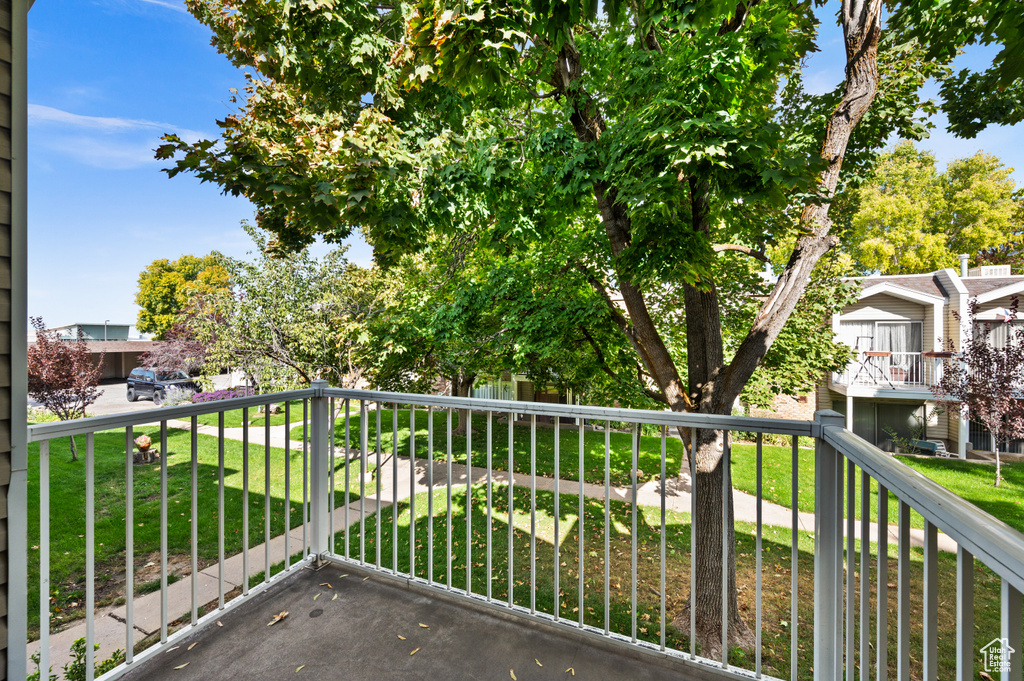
(98,331)
(899,328)
(120,345)
(517,388)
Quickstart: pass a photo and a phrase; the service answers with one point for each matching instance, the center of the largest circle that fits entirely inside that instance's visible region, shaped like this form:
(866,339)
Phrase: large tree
(166,287)
(909,218)
(644,144)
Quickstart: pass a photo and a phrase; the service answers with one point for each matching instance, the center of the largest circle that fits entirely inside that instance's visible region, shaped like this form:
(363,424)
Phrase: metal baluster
(305,479)
(194,520)
(726,493)
(44,557)
(930,596)
(579,533)
(220,510)
(163,532)
(394,487)
(377,476)
(964,615)
(607,524)
(489,503)
(634,466)
(287,487)
(332,479)
(469,501)
(557,581)
(448,495)
(851,567)
(90,550)
(511,485)
(533,513)
(794,614)
(865,570)
(758,580)
(266,492)
(245,501)
(129,543)
(412,490)
(664,454)
(882,605)
(1011,622)
(903,609)
(348,485)
(430,496)
(693,540)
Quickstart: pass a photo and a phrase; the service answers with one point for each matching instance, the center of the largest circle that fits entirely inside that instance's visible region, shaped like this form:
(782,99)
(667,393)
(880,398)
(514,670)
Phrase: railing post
(319,466)
(828,551)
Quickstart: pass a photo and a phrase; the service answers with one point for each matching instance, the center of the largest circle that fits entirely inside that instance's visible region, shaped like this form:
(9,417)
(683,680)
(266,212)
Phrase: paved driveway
(113,399)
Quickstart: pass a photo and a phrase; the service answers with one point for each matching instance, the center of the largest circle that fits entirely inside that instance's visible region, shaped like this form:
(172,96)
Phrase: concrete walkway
(110,631)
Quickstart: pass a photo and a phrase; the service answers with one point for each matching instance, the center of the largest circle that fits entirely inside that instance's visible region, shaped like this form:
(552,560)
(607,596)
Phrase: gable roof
(929,284)
(977,286)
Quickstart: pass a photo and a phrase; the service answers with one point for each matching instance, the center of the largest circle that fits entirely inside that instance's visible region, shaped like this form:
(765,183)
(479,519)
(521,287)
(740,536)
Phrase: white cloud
(40,114)
(106,142)
(168,5)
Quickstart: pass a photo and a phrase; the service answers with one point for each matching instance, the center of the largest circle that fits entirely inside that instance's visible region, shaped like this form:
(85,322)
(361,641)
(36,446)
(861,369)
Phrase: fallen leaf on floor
(174,648)
(327,584)
(278,618)
(425,626)
(538,662)
(192,646)
(219,624)
(570,670)
(986,676)
(300,668)
(335,597)
(342,576)
(401,637)
(366,578)
(317,596)
(182,666)
(415,651)
(512,673)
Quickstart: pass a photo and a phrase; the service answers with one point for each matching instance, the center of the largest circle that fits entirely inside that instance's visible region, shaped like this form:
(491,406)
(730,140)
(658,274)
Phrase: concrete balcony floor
(352,631)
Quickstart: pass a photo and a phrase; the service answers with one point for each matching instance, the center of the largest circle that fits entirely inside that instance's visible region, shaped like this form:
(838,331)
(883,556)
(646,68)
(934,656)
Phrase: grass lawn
(67,513)
(972,480)
(776,573)
(593,445)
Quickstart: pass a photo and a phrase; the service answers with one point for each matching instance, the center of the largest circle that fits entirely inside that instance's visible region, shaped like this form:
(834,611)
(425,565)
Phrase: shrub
(175,396)
(223,394)
(75,669)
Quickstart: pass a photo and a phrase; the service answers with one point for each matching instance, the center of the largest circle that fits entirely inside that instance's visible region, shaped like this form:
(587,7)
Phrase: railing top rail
(48,431)
(994,542)
(665,418)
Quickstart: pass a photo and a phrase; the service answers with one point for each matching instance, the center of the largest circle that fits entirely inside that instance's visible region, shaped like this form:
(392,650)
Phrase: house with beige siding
(899,329)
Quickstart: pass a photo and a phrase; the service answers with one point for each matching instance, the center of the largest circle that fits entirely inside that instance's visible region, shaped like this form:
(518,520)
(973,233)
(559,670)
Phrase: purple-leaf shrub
(223,394)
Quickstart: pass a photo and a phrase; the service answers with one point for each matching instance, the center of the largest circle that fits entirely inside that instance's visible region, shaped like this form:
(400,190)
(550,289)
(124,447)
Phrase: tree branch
(746,250)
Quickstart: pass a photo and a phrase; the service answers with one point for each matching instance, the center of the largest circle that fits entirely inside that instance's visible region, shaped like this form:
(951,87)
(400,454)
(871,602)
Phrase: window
(882,336)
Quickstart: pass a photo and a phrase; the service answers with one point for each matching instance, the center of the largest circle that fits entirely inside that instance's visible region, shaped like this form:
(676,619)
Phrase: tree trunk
(998,467)
(74,451)
(462,383)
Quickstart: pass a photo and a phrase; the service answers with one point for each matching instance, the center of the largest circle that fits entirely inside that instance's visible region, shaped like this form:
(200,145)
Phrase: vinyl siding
(5,313)
(883,307)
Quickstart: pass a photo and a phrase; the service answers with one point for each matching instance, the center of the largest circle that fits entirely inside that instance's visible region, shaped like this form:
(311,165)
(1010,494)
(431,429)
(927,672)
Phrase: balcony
(400,548)
(892,371)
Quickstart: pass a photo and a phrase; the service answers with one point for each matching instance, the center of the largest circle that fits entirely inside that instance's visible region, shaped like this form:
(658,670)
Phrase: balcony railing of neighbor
(891,370)
(379,482)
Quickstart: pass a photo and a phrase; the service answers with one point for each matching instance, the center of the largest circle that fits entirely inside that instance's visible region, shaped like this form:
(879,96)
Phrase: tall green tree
(641,142)
(909,218)
(167,286)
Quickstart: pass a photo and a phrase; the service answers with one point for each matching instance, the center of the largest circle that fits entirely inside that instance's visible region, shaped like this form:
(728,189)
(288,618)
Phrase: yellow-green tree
(167,286)
(910,218)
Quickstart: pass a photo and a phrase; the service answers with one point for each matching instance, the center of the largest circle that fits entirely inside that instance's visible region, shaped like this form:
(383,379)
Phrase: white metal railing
(499,515)
(891,370)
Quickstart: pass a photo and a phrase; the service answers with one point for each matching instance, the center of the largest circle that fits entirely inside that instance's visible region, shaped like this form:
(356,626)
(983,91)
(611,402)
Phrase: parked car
(154,384)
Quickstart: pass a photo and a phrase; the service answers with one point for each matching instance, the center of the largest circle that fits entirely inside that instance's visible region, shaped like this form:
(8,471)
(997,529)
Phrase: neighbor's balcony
(893,370)
(400,548)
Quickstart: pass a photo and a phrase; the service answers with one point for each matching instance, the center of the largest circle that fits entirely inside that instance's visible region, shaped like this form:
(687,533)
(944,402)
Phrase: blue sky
(106,79)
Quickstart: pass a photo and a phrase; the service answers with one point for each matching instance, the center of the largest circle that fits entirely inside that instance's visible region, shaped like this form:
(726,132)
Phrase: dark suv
(152,383)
